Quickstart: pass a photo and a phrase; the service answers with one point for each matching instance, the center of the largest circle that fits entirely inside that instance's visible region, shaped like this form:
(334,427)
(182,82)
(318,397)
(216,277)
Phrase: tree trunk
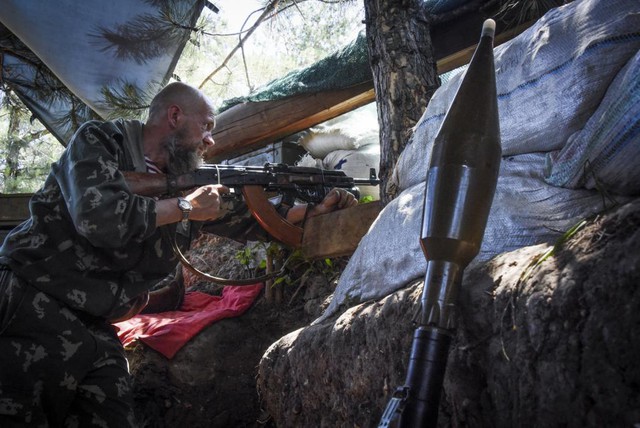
(404,75)
(14,145)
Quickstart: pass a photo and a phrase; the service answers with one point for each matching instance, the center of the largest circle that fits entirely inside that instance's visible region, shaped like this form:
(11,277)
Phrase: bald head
(181,121)
(188,98)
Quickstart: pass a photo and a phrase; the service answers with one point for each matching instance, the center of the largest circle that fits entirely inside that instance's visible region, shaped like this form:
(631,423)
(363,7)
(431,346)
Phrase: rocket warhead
(465,162)
(488,28)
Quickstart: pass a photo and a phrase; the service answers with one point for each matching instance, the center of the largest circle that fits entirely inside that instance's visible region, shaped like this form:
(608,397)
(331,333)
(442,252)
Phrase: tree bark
(14,145)
(404,75)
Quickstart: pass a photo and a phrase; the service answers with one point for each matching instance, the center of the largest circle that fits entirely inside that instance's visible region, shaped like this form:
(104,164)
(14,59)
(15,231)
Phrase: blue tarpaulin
(62,57)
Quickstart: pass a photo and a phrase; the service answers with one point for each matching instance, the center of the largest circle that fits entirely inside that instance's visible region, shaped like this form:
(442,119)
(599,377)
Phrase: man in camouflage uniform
(89,252)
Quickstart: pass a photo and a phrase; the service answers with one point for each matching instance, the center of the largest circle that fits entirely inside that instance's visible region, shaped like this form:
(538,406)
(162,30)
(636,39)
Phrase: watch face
(184,205)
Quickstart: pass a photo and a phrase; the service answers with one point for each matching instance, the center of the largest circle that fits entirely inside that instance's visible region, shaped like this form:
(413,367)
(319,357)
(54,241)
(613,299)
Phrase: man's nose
(208,140)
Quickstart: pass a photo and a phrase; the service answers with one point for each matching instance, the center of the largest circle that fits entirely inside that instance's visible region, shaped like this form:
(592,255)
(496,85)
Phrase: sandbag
(356,164)
(526,211)
(347,132)
(606,153)
(309,161)
(550,79)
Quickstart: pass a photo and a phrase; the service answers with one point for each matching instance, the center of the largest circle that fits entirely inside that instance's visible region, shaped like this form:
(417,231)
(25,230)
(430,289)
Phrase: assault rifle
(255,183)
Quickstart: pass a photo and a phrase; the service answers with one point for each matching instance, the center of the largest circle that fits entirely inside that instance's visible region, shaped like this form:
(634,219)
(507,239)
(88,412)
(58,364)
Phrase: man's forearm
(167,212)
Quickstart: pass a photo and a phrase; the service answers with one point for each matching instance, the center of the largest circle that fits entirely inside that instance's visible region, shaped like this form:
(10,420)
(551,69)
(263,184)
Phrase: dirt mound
(542,342)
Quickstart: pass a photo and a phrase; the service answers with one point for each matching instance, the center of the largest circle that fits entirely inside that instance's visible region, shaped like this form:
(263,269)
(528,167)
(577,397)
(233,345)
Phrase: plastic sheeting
(86,47)
(550,80)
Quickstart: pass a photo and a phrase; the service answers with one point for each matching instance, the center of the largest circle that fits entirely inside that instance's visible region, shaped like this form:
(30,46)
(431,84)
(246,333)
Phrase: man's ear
(173,115)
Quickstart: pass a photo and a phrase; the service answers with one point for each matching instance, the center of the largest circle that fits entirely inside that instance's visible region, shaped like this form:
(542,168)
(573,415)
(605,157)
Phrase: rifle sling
(223,281)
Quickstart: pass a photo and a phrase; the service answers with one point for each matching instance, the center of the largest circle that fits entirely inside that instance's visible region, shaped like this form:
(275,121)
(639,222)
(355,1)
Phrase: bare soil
(542,342)
(211,382)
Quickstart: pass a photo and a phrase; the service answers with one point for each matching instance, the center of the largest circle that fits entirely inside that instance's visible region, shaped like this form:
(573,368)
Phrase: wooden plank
(338,233)
(247,126)
(14,208)
(463,56)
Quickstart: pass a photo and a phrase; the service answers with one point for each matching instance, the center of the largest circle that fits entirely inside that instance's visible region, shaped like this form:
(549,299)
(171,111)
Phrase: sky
(236,11)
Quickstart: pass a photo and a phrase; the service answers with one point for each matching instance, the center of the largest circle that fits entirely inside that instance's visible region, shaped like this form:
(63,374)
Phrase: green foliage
(26,148)
(251,257)
(298,268)
(146,37)
(245,256)
(297,35)
(295,266)
(366,199)
(125,100)
(310,30)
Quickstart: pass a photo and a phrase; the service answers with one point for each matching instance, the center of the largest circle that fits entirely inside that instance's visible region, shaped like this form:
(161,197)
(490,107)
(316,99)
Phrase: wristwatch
(186,207)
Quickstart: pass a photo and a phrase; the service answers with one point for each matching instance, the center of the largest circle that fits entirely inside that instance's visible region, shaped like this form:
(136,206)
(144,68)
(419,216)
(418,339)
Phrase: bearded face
(184,156)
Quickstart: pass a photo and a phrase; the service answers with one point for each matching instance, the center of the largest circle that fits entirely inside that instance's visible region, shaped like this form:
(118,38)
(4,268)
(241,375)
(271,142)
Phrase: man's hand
(336,199)
(206,201)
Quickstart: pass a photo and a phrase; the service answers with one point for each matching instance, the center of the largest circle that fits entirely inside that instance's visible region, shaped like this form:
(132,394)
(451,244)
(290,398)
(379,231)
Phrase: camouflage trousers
(56,369)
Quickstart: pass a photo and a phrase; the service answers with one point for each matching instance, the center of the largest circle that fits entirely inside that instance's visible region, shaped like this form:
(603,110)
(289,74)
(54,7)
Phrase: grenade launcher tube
(460,186)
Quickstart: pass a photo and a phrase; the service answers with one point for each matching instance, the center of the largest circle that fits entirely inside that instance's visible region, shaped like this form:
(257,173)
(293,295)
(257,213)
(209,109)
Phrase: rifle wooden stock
(146,184)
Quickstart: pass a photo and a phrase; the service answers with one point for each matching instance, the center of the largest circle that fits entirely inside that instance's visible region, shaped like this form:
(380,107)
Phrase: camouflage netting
(346,67)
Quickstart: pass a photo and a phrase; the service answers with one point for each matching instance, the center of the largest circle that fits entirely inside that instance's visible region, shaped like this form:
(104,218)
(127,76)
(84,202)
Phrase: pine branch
(126,100)
(146,36)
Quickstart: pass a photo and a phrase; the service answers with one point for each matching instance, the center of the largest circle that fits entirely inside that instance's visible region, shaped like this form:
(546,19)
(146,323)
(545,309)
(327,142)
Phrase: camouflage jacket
(89,241)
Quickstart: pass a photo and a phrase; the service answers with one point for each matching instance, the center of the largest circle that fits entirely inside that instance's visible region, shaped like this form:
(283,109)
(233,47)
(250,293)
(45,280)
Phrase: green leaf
(366,199)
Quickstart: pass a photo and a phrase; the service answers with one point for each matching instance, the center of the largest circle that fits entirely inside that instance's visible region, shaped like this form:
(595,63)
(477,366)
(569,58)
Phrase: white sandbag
(349,131)
(356,164)
(550,79)
(319,143)
(309,161)
(606,153)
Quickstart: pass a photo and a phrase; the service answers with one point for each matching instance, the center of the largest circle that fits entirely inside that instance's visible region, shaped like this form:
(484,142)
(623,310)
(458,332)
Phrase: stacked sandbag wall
(568,97)
(349,143)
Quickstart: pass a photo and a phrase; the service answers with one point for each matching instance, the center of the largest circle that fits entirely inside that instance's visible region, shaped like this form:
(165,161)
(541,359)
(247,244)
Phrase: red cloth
(168,332)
